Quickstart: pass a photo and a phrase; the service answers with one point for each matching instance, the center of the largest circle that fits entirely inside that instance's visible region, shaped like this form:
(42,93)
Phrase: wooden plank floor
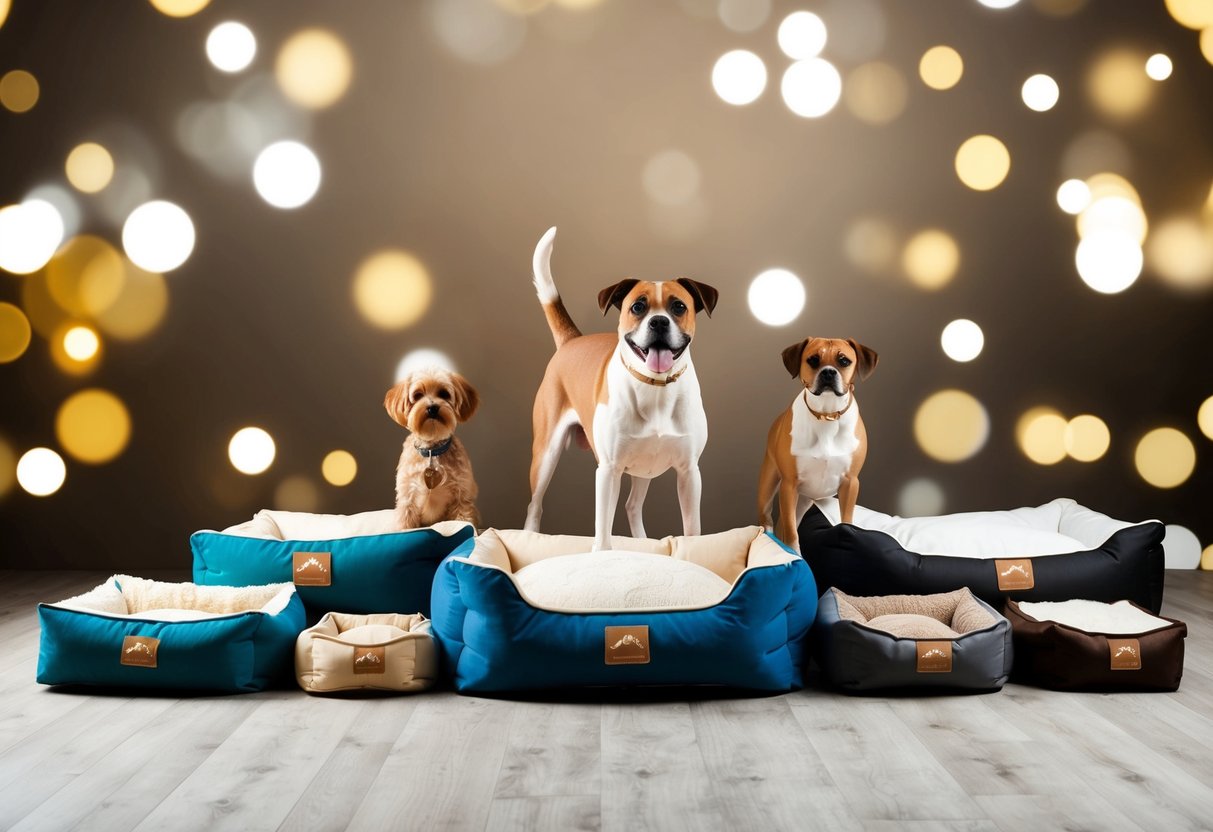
(1022,759)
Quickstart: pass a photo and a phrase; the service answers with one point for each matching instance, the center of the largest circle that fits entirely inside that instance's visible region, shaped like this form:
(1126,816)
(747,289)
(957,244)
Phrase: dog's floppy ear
(705,296)
(396,402)
(614,295)
(469,399)
(791,357)
(867,359)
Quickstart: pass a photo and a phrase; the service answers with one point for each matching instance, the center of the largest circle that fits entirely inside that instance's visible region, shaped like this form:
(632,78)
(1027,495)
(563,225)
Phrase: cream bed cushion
(382,651)
(619,580)
(1120,618)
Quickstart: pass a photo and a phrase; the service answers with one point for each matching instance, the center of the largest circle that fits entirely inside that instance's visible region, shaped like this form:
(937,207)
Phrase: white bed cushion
(619,580)
(302,525)
(1121,618)
(1059,527)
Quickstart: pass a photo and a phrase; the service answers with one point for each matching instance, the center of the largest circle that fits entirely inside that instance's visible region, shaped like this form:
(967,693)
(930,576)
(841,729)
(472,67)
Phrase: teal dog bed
(517,610)
(358,563)
(136,633)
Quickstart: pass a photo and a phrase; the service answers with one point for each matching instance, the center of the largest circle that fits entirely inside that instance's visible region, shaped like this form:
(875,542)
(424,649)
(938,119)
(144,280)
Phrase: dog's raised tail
(562,326)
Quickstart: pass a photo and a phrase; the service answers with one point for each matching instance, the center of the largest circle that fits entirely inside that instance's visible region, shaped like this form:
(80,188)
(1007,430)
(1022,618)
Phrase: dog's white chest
(823,449)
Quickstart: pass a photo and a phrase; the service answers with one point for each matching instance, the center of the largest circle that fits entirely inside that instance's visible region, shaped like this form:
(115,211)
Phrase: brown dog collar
(836,415)
(656,382)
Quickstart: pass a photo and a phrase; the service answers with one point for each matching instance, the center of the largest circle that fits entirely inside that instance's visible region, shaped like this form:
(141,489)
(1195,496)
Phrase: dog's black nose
(431,410)
(828,372)
(660,322)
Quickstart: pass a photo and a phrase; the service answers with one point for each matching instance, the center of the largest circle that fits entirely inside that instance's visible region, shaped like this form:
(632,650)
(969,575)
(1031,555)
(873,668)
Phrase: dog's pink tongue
(659,361)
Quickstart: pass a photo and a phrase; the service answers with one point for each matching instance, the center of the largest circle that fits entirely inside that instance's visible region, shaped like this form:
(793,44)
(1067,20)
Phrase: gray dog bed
(949,640)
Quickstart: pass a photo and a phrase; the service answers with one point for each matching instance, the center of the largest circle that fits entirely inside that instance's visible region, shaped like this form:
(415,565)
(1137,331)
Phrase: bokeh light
(1194,14)
(1040,93)
(41,472)
(297,494)
(931,258)
(1106,185)
(89,167)
(392,289)
(671,177)
(139,308)
(180,8)
(314,68)
(15,333)
(158,236)
(420,359)
(29,234)
(5,6)
(776,297)
(86,276)
(18,91)
(1165,457)
(921,497)
(802,35)
(1042,435)
(251,450)
(811,87)
(739,77)
(1206,44)
(743,15)
(941,67)
(1180,548)
(1117,85)
(1206,559)
(962,340)
(1159,67)
(1087,438)
(231,46)
(951,426)
(1114,214)
(998,4)
(476,31)
(287,174)
(871,244)
(983,162)
(339,468)
(1180,251)
(8,459)
(1073,196)
(875,93)
(1204,417)
(81,343)
(1108,261)
(93,426)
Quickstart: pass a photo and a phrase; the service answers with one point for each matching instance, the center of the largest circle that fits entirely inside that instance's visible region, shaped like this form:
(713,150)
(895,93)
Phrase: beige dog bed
(383,651)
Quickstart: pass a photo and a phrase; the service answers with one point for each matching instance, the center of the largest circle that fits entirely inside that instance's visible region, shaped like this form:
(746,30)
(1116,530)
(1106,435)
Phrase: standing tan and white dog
(632,396)
(817,446)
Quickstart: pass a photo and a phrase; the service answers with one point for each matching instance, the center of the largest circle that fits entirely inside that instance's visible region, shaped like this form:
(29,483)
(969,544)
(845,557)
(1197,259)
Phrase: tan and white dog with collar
(632,396)
(817,446)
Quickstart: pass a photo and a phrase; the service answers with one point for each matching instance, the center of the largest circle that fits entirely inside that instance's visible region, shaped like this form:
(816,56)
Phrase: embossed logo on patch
(627,645)
(1125,653)
(934,657)
(313,568)
(1014,574)
(140,651)
(370,660)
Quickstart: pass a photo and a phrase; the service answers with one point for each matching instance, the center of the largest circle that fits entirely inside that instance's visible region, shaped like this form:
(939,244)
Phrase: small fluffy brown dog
(434,476)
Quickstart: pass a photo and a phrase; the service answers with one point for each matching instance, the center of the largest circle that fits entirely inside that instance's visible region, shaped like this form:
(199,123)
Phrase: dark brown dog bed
(1088,645)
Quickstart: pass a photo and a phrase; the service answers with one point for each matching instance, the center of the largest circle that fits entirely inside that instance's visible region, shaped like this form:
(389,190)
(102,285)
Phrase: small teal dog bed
(132,632)
(358,563)
(518,610)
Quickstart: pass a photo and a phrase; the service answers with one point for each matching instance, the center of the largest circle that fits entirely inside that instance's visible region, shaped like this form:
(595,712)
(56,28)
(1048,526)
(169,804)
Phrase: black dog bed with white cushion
(1054,552)
(948,640)
(1088,645)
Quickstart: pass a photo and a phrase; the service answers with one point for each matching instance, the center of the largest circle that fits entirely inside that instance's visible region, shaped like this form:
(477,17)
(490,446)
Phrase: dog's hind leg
(635,505)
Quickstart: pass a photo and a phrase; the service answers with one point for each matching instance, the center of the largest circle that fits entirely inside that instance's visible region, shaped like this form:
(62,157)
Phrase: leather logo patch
(934,657)
(1014,574)
(370,660)
(140,651)
(1125,653)
(313,568)
(627,645)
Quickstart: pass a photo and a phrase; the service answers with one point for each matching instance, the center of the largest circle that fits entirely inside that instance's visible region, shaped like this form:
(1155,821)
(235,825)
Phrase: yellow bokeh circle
(339,468)
(8,467)
(1087,438)
(983,162)
(75,348)
(93,426)
(1194,14)
(15,333)
(314,68)
(138,309)
(1204,417)
(392,289)
(89,167)
(941,67)
(1206,559)
(1042,436)
(931,258)
(951,426)
(179,8)
(19,91)
(86,276)
(1118,84)
(1165,457)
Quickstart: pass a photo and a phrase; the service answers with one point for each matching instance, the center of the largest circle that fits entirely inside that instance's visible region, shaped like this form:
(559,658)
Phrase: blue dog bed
(730,609)
(359,563)
(132,632)
(1054,552)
